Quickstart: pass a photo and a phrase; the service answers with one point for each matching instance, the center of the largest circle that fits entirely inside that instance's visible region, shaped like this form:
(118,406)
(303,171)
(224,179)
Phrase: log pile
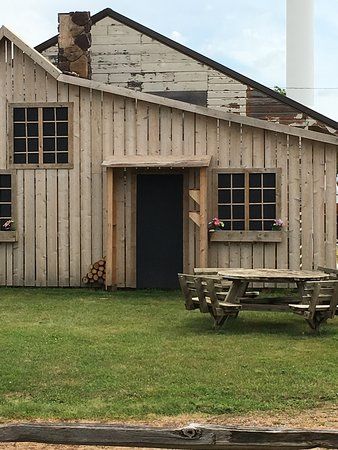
(96,273)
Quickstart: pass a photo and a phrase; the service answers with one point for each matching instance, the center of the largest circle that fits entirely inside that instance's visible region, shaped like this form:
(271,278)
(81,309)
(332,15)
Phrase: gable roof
(5,33)
(108,12)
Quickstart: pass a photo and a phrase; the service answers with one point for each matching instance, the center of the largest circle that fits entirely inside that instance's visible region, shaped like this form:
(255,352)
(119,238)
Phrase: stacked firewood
(96,273)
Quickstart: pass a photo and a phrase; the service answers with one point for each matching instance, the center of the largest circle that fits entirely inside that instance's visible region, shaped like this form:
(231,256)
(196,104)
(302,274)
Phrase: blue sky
(246,35)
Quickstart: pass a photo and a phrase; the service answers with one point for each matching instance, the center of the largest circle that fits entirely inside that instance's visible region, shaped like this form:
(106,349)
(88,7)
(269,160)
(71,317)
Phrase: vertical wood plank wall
(61,213)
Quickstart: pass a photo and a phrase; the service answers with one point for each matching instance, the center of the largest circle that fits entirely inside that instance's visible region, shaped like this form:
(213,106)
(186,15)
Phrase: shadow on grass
(256,326)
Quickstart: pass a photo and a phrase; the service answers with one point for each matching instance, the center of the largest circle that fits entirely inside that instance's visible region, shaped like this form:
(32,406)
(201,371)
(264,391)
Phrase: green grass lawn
(81,354)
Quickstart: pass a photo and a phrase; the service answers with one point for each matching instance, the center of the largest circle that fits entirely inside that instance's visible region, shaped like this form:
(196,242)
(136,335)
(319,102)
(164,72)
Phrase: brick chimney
(74,43)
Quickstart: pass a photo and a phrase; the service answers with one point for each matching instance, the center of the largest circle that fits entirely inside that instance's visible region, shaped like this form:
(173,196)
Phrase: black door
(159,254)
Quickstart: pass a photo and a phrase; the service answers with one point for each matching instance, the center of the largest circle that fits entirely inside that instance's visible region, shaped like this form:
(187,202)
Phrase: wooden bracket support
(195,217)
(195,195)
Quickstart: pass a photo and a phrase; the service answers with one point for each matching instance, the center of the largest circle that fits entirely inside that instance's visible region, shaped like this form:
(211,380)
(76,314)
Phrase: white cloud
(178,37)
(258,48)
(208,7)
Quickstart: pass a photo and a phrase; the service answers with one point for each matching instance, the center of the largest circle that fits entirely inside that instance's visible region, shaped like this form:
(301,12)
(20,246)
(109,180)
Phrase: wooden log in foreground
(189,437)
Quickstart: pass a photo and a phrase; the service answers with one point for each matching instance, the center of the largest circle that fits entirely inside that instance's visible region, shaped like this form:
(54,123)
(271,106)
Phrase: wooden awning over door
(157,161)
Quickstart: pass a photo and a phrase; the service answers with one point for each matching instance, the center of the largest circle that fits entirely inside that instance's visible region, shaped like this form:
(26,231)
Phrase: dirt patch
(325,417)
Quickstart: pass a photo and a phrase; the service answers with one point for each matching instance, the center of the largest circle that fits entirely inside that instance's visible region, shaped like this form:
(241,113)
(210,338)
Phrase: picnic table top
(272,275)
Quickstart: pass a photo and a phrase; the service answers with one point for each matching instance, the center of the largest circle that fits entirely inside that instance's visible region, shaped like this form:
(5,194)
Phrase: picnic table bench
(319,302)
(223,292)
(207,294)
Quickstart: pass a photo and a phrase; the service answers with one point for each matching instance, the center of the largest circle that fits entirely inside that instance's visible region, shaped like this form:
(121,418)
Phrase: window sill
(245,236)
(8,236)
(42,166)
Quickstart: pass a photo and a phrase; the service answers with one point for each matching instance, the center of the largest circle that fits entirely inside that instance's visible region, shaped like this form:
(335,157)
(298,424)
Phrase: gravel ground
(325,417)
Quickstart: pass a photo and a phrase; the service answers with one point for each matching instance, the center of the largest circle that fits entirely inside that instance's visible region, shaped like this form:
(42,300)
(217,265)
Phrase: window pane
(49,158)
(269,211)
(255,196)
(238,196)
(255,225)
(33,158)
(224,180)
(268,225)
(32,114)
(32,129)
(62,128)
(227,225)
(48,114)
(269,195)
(238,212)
(238,225)
(5,195)
(19,158)
(19,145)
(5,180)
(255,211)
(224,196)
(5,210)
(19,114)
(224,212)
(62,158)
(33,145)
(49,129)
(49,145)
(62,113)
(255,180)
(269,180)
(238,180)
(19,130)
(62,144)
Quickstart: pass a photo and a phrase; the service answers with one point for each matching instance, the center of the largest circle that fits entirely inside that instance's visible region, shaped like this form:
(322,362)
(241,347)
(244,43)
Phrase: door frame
(191,177)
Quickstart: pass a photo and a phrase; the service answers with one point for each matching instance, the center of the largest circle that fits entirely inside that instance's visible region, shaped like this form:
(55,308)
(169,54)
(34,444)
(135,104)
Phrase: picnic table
(241,278)
(209,291)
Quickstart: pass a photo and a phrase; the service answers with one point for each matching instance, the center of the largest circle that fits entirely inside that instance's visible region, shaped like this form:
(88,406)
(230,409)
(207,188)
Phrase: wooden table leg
(236,291)
(301,290)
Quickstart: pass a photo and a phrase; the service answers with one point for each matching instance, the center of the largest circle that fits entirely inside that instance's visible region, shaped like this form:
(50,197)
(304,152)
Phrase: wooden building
(127,54)
(91,170)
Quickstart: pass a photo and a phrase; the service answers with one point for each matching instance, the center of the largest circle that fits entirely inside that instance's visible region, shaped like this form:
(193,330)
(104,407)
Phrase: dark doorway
(159,254)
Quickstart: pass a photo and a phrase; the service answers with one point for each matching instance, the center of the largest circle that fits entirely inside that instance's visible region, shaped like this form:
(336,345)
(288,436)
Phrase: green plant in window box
(277,225)
(215,224)
(9,225)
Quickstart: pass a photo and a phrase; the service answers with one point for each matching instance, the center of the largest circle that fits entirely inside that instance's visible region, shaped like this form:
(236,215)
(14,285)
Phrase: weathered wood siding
(61,213)
(125,57)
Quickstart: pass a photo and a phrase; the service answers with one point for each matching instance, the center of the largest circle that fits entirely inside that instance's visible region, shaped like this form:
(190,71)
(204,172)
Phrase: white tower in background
(299,51)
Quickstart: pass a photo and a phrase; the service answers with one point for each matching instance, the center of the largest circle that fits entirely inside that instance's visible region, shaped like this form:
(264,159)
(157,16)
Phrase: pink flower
(7,224)
(215,224)
(279,223)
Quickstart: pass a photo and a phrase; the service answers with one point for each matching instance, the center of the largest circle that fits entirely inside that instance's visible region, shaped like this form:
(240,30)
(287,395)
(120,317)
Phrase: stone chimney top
(74,43)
